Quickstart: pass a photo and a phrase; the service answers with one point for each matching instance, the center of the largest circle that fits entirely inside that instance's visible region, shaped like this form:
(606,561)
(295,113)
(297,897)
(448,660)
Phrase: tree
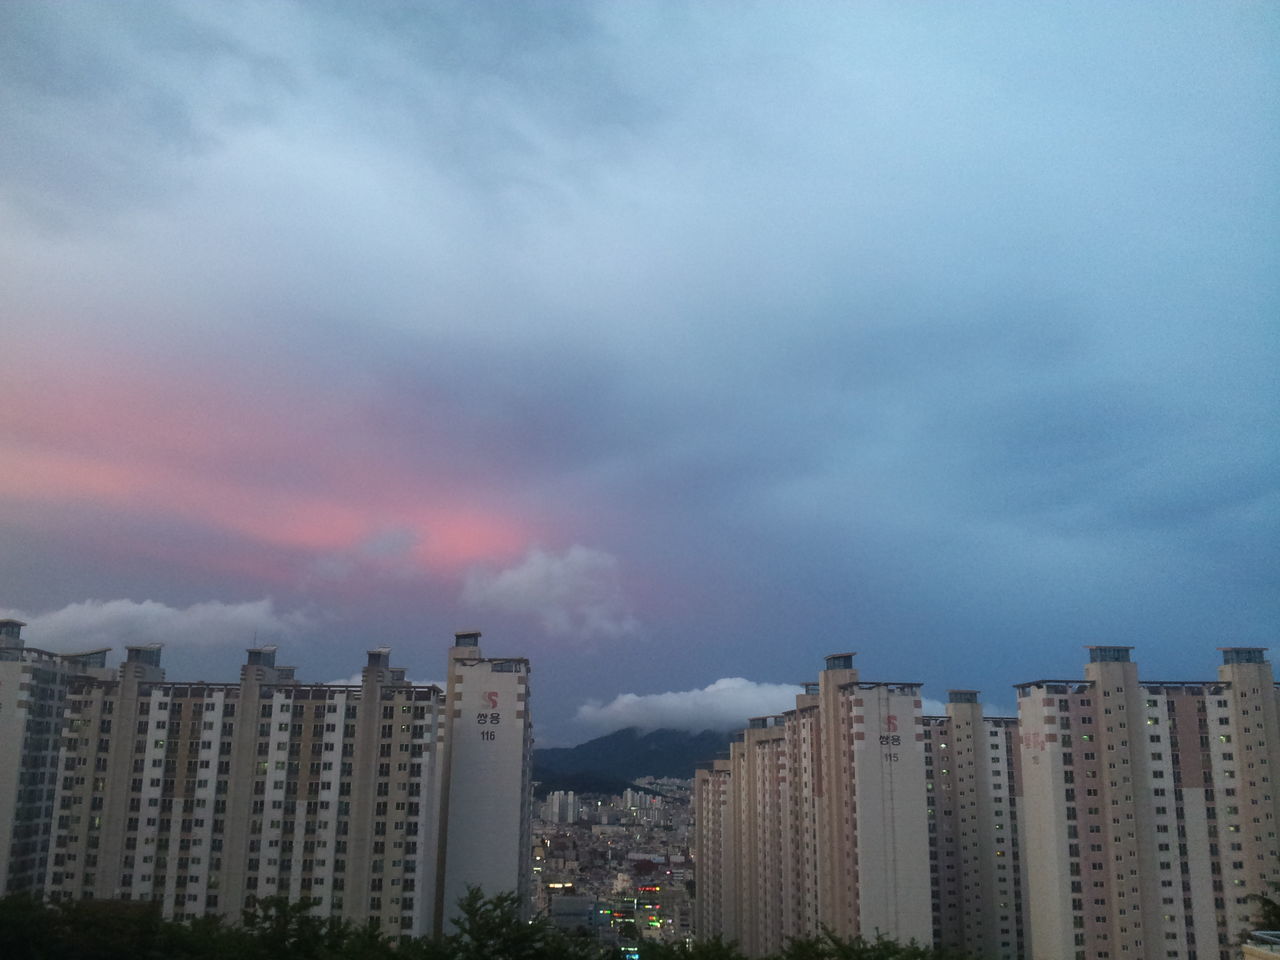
(829,946)
(24,928)
(492,929)
(279,928)
(712,949)
(1268,913)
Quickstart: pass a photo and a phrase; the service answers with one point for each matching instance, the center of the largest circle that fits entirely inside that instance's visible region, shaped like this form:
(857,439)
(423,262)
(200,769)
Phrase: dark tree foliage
(826,947)
(713,949)
(491,929)
(485,928)
(273,929)
(1266,916)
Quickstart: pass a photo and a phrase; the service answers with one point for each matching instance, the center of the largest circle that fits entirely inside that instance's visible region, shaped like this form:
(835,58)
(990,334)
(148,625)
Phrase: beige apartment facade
(206,796)
(972,768)
(1115,817)
(714,851)
(1149,811)
(818,819)
(486,794)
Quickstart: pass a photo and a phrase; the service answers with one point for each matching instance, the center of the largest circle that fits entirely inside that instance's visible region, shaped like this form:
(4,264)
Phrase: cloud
(117,623)
(825,321)
(724,705)
(574,594)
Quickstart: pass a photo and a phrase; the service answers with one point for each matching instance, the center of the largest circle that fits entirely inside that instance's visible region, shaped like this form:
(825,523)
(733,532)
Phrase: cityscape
(639,480)
(1114,815)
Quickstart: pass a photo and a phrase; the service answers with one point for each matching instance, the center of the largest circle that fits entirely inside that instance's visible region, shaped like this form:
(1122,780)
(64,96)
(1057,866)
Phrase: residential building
(977,877)
(204,796)
(1148,810)
(1114,818)
(847,846)
(486,792)
(33,701)
(561,806)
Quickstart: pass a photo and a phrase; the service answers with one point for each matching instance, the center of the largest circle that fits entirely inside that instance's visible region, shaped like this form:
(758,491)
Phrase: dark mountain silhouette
(627,755)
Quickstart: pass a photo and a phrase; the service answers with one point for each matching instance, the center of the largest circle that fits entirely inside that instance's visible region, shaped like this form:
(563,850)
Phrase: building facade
(34,687)
(561,806)
(818,819)
(205,796)
(977,876)
(486,793)
(1113,818)
(1149,811)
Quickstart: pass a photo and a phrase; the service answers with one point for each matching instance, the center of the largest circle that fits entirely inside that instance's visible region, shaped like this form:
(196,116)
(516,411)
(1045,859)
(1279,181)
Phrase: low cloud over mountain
(723,705)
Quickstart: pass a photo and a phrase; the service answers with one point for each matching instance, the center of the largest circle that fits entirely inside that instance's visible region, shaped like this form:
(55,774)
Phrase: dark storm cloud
(945,334)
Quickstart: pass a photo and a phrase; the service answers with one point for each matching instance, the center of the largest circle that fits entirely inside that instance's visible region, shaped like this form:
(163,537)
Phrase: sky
(672,345)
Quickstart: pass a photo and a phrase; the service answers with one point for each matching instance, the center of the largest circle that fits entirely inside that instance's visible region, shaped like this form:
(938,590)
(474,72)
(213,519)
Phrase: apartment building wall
(823,819)
(976,869)
(1148,809)
(802,739)
(763,815)
(33,693)
(488,751)
(893,889)
(204,796)
(1115,818)
(715,907)
(836,849)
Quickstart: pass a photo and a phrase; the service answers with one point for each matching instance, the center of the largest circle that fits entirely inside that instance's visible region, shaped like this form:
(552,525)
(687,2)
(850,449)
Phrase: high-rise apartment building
(1114,818)
(203,796)
(819,818)
(561,806)
(33,700)
(486,791)
(1149,811)
(714,852)
(977,872)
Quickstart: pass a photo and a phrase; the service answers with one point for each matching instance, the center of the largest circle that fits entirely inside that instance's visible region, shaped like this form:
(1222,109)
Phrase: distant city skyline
(676,346)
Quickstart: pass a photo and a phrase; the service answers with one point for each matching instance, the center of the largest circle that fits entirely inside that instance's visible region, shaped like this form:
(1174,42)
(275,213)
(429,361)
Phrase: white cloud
(573,594)
(726,704)
(117,623)
(352,681)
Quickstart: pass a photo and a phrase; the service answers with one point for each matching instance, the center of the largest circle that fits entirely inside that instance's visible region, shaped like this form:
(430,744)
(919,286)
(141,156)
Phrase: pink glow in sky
(198,452)
(702,344)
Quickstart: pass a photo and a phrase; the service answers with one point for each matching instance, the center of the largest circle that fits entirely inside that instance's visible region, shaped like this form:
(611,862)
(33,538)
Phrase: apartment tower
(1148,814)
(976,869)
(205,796)
(486,791)
(820,819)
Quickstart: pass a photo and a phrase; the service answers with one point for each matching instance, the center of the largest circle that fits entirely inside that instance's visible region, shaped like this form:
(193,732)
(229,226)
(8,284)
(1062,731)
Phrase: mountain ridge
(626,755)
